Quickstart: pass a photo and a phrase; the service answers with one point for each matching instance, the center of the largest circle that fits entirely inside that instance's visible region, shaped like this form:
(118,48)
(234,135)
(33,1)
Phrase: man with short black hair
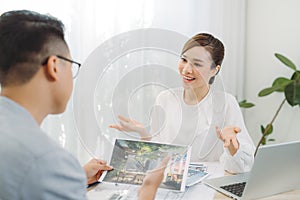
(37,80)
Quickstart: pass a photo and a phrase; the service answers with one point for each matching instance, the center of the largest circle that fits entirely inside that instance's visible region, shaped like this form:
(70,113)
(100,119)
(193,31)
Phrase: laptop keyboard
(236,188)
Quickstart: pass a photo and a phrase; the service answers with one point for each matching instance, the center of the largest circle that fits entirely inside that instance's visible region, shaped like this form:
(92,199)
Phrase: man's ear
(51,68)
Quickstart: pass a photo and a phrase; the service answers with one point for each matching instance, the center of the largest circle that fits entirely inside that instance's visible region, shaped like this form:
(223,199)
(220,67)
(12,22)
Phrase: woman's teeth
(188,78)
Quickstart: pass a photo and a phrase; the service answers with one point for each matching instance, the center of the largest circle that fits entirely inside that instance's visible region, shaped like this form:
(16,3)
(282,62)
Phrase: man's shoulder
(29,147)
(60,174)
(35,161)
(28,141)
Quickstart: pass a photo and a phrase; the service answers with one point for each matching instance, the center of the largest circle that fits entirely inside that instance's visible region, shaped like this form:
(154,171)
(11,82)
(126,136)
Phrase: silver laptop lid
(276,169)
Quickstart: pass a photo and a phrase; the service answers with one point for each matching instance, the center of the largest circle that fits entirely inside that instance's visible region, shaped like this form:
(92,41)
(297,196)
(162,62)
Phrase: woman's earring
(218,69)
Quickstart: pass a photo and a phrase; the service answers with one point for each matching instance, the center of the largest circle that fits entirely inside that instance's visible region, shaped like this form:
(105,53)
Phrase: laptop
(275,170)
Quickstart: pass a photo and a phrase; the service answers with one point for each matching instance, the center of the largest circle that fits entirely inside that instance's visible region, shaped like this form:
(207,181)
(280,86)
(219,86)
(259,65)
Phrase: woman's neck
(193,96)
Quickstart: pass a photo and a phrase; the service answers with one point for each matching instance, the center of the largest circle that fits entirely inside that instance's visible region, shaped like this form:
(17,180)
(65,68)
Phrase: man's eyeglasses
(75,65)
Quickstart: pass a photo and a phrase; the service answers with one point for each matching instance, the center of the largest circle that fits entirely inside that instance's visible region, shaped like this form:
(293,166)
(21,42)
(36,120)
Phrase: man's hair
(213,45)
(27,39)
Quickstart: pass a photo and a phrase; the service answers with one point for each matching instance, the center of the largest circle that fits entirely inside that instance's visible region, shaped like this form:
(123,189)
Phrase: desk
(199,191)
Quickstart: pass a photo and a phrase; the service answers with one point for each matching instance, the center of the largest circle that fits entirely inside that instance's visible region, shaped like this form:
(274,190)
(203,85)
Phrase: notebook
(275,170)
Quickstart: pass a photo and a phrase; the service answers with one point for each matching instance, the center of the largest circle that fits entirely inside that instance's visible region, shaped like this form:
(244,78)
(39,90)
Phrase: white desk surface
(199,191)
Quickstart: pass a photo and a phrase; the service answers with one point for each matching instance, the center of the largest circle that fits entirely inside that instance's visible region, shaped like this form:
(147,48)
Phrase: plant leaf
(265,92)
(243,101)
(286,61)
(280,83)
(245,104)
(263,142)
(296,76)
(268,91)
(270,129)
(262,129)
(292,93)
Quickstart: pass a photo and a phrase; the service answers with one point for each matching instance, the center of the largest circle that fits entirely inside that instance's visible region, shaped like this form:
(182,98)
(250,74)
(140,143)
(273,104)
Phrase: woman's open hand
(130,125)
(228,136)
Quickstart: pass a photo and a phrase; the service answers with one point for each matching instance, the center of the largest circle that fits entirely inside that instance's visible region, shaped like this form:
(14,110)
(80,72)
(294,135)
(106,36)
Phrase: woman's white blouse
(173,121)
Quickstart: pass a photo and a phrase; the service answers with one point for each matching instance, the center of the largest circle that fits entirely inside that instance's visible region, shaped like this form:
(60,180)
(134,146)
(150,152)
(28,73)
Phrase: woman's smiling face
(195,68)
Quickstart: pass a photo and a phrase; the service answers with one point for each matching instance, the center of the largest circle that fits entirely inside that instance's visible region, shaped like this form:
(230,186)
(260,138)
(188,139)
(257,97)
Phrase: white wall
(272,27)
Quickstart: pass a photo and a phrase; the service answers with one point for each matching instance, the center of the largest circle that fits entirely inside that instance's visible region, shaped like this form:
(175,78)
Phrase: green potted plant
(290,87)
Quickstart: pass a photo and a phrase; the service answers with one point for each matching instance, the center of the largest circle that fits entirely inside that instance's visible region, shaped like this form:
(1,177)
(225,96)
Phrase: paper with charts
(132,159)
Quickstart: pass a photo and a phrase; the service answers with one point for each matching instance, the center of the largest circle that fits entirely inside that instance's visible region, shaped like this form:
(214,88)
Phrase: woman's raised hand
(130,125)
(228,136)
